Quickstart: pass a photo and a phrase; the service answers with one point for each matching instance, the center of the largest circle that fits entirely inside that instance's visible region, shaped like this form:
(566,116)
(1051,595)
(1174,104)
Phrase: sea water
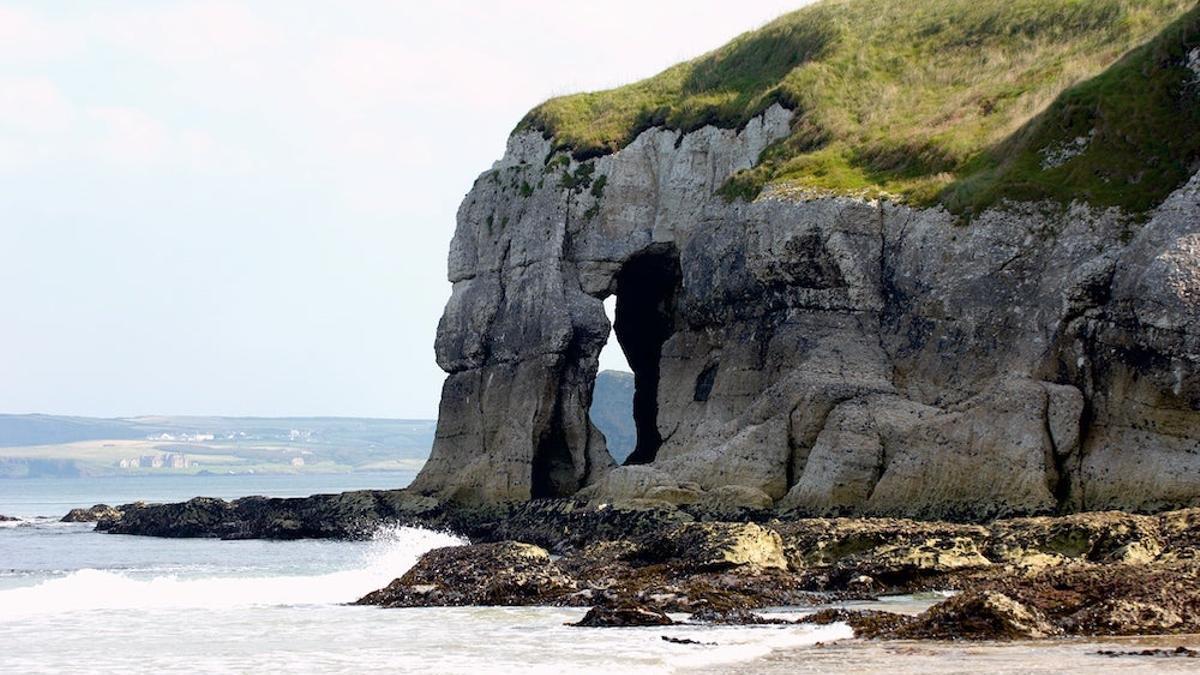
(76,601)
(73,600)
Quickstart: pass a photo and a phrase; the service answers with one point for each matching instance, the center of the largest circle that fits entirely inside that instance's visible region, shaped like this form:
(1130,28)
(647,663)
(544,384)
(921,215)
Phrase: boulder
(676,495)
(623,616)
(94,514)
(1111,598)
(721,546)
(505,573)
(867,623)
(977,615)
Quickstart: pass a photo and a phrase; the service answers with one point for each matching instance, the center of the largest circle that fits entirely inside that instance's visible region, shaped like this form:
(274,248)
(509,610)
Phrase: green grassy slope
(951,101)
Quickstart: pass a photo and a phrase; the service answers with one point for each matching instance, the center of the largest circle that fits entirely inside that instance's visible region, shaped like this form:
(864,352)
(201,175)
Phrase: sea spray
(390,553)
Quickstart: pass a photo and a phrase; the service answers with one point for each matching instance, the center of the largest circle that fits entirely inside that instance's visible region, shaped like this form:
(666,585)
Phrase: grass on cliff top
(950,101)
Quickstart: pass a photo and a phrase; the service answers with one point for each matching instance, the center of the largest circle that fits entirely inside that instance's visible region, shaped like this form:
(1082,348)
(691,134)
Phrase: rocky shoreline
(1088,574)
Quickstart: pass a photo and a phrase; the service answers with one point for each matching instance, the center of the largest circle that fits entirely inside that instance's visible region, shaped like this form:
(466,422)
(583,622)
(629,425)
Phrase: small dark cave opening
(646,290)
(553,468)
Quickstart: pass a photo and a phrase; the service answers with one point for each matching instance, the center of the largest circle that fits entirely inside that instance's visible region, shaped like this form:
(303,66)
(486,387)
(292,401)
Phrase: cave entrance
(623,399)
(645,317)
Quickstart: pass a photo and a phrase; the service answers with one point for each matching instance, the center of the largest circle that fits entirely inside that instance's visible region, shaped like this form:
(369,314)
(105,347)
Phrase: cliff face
(838,355)
(829,354)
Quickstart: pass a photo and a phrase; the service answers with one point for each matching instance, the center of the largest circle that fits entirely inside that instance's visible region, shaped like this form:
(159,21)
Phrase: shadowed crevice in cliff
(562,458)
(553,467)
(646,289)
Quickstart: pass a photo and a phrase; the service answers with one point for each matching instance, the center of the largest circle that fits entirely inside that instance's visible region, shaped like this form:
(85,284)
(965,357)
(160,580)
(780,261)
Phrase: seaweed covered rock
(623,616)
(504,573)
(347,515)
(1110,537)
(199,517)
(720,546)
(1112,599)
(976,615)
(866,623)
(882,553)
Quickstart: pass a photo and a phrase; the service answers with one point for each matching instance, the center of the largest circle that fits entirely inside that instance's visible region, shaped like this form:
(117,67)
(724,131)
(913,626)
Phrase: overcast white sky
(244,208)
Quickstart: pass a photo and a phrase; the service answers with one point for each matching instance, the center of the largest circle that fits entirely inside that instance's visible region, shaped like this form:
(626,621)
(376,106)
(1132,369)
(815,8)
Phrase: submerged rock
(867,623)
(686,641)
(735,617)
(1178,652)
(7,519)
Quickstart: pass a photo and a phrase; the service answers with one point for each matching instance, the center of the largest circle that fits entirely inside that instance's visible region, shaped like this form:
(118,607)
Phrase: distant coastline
(59,446)
(51,446)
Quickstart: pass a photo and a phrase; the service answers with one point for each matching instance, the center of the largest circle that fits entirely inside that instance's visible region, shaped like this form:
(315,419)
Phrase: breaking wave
(391,552)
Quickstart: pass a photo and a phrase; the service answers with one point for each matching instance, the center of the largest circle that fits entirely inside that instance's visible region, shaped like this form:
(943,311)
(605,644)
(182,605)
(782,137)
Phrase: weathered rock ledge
(1088,574)
(1106,573)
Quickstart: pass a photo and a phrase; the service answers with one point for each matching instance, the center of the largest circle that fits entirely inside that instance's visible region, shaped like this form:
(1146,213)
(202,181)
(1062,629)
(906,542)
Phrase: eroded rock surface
(827,355)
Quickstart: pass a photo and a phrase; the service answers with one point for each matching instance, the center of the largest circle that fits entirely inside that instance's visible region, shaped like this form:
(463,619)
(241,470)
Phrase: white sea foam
(739,644)
(392,552)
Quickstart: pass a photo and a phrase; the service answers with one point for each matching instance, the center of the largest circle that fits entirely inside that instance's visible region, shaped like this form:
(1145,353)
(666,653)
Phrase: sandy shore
(1049,656)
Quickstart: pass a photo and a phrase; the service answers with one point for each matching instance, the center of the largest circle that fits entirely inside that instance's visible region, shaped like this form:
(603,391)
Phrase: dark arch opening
(646,289)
